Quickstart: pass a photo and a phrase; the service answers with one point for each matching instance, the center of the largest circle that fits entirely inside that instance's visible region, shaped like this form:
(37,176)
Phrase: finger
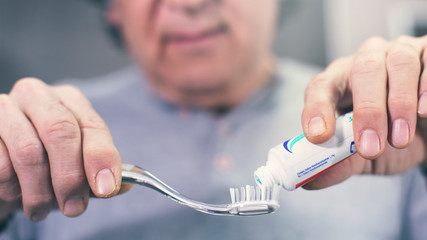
(28,159)
(422,102)
(388,163)
(403,67)
(101,159)
(395,161)
(322,96)
(60,135)
(422,133)
(10,192)
(340,172)
(368,81)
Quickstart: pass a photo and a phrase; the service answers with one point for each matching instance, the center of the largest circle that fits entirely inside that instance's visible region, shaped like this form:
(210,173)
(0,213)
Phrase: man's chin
(203,88)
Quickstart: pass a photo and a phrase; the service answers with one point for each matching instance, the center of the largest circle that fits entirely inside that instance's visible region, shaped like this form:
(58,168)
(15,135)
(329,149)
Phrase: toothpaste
(297,161)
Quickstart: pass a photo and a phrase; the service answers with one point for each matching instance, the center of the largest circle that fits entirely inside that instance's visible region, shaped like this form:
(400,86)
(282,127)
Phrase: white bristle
(258,193)
(242,194)
(263,193)
(251,193)
(248,193)
(233,195)
(276,191)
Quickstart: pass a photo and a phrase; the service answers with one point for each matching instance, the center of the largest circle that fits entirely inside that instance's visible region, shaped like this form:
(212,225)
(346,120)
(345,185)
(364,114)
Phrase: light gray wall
(54,39)
(346,30)
(301,33)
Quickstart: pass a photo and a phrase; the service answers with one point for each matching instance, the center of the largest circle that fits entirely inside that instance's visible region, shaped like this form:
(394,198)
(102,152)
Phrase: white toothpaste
(297,161)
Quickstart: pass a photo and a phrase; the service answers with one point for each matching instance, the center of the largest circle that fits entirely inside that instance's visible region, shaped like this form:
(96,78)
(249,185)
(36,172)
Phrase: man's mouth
(194,38)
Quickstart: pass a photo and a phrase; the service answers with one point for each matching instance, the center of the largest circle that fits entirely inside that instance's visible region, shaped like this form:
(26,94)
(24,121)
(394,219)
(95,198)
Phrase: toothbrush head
(250,200)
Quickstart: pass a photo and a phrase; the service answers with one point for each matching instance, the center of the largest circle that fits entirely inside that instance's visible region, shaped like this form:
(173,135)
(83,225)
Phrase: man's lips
(189,38)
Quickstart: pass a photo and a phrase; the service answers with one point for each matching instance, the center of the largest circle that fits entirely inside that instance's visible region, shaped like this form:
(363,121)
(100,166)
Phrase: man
(204,103)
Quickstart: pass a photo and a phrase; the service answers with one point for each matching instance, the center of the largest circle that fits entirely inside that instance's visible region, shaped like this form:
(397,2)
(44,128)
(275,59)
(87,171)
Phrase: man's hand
(54,150)
(385,85)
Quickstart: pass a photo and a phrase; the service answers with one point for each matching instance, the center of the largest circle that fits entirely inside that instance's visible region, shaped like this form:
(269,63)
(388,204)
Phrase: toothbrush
(245,201)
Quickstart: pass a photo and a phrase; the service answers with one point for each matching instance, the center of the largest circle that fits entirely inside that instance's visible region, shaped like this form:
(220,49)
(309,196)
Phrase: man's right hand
(54,150)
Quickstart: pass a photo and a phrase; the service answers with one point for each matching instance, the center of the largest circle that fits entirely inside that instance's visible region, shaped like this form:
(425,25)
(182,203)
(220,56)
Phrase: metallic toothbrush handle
(137,175)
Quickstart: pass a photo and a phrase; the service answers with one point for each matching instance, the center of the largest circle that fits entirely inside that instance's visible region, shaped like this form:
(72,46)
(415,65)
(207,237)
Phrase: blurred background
(55,39)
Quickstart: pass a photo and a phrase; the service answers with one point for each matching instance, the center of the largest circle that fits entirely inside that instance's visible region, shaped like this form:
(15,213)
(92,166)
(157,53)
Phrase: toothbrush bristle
(251,193)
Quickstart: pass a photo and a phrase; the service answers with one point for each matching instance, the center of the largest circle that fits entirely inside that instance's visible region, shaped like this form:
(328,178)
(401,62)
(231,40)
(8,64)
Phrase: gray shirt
(202,155)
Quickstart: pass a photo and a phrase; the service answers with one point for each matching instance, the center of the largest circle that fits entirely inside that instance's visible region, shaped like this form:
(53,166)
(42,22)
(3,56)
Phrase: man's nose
(191,7)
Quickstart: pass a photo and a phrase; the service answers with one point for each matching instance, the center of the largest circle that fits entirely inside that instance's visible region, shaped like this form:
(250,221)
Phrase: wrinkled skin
(55,150)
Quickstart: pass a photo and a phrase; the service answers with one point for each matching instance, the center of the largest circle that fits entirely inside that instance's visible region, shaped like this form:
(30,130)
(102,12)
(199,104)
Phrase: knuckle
(374,41)
(69,89)
(61,129)
(66,181)
(26,85)
(93,122)
(5,101)
(37,201)
(403,57)
(317,104)
(402,101)
(29,152)
(13,195)
(7,173)
(371,108)
(320,81)
(10,190)
(101,153)
(367,63)
(404,39)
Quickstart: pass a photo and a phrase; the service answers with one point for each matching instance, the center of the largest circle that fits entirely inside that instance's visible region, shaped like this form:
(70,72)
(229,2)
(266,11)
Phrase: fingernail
(370,143)
(74,206)
(105,182)
(400,133)
(39,215)
(422,104)
(316,126)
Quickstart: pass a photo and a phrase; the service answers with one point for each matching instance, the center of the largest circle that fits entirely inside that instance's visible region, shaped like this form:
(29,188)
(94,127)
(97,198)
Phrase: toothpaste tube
(297,161)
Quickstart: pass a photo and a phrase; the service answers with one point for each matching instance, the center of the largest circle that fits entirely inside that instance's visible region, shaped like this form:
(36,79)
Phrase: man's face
(196,46)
